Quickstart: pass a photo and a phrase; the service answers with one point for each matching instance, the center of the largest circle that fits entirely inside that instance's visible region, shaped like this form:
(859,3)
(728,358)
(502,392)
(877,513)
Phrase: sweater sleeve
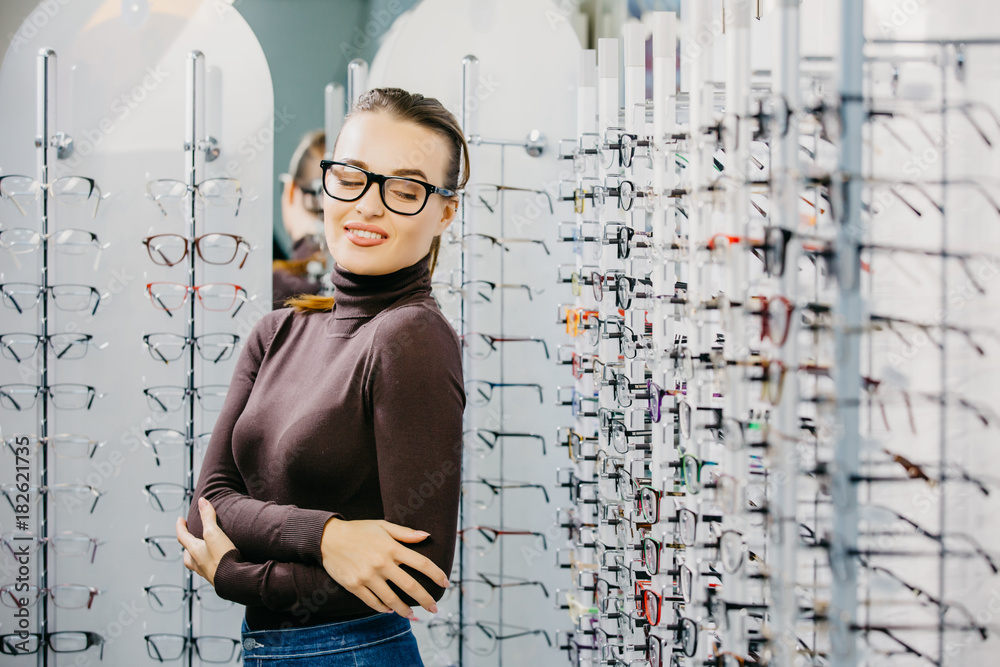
(416,396)
(261,530)
(298,588)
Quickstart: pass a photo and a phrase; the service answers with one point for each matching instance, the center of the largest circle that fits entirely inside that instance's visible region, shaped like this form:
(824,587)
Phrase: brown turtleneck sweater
(355,413)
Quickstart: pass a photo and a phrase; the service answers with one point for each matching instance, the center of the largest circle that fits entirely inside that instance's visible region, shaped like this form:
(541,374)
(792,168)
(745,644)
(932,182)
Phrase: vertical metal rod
(847,196)
(783,533)
(634,61)
(697,47)
(194,124)
(737,144)
(586,93)
(357,81)
(943,460)
(500,398)
(664,118)
(470,126)
(333,118)
(46,92)
(608,109)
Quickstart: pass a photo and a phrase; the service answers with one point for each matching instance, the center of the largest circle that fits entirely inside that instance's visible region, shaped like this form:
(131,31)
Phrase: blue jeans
(374,641)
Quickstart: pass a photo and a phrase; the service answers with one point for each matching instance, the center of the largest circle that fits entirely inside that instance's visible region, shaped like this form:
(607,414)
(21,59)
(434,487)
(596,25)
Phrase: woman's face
(382,144)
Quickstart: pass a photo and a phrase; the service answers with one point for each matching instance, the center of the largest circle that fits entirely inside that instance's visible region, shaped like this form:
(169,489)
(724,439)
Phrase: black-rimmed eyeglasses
(64,641)
(480,392)
(405,196)
(165,646)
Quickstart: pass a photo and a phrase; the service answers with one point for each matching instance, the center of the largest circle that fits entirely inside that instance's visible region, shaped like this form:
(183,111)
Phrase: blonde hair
(426,112)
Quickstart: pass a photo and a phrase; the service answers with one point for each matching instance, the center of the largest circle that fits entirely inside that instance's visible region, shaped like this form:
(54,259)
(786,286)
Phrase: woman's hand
(203,556)
(363,556)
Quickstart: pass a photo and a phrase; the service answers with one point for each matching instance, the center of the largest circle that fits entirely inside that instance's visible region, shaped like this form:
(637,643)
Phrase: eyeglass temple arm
(19,207)
(97,202)
(534,385)
(242,298)
(524,634)
(156,200)
(153,295)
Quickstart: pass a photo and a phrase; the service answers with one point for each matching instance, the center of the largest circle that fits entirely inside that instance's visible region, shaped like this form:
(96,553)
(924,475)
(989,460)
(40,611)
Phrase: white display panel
(121,97)
(527,54)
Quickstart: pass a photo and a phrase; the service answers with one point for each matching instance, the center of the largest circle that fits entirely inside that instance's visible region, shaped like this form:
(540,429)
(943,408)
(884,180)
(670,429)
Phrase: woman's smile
(365,235)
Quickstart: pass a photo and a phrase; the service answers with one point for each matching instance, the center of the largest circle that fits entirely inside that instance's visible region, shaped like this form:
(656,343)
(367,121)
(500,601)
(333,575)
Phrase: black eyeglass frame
(372,177)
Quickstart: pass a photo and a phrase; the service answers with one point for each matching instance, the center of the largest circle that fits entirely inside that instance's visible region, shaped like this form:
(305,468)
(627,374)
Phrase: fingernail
(201,503)
(446,584)
(434,609)
(412,616)
(420,533)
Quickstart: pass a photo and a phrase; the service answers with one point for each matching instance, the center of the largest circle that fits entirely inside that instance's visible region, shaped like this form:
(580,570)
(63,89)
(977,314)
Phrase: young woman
(329,489)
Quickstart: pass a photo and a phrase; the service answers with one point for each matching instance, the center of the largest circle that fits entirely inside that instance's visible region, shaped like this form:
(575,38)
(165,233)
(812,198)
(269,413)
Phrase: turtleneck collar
(359,296)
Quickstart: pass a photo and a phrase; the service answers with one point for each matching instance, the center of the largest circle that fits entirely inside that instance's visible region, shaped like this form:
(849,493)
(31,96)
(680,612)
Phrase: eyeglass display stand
(467,271)
(608,103)
(844,597)
(666,325)
(194,159)
(663,226)
(47,71)
(586,121)
(950,67)
(495,415)
(737,144)
(781,528)
(128,126)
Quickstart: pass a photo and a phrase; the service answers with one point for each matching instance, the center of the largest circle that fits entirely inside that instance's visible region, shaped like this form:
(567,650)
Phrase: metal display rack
(28,348)
(733,285)
(199,148)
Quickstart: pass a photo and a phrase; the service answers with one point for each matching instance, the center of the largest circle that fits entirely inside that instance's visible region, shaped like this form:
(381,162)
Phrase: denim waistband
(323,639)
